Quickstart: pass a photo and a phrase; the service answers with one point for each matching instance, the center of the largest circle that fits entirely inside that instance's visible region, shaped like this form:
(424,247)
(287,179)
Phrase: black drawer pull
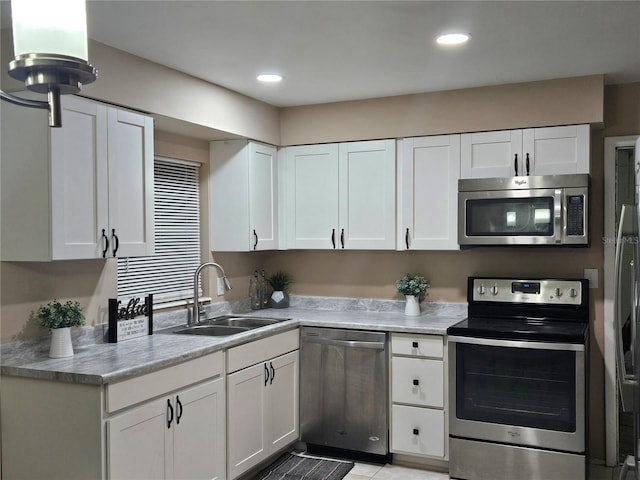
(416,382)
(416,431)
(414,344)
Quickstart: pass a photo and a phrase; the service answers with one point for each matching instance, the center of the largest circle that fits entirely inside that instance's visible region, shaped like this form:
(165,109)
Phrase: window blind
(168,275)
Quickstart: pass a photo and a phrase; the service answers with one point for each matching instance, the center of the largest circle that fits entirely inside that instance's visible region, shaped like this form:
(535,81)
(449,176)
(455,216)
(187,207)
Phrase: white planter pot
(412,307)
(61,345)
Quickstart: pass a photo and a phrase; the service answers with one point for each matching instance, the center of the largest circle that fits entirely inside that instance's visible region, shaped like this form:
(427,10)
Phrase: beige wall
(130,81)
(533,104)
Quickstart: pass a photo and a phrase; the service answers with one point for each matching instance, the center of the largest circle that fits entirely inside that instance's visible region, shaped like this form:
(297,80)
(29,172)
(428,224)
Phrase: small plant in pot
(60,317)
(413,288)
(279,282)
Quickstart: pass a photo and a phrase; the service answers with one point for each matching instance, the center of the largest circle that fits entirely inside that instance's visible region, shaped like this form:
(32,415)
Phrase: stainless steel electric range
(518,380)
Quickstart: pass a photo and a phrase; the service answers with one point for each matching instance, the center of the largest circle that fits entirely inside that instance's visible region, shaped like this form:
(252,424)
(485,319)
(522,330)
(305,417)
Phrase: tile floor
(368,471)
(364,471)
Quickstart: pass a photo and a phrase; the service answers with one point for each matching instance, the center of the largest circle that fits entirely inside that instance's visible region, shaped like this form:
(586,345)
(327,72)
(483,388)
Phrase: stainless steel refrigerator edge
(634,319)
(343,389)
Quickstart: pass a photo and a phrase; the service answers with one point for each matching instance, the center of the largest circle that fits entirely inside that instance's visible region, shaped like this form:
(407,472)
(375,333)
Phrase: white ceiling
(343,50)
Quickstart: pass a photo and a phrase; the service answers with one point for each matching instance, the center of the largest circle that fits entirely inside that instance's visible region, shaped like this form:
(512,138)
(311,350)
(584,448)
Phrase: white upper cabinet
(557,150)
(340,196)
(243,196)
(533,151)
(81,191)
(428,173)
(130,137)
(490,154)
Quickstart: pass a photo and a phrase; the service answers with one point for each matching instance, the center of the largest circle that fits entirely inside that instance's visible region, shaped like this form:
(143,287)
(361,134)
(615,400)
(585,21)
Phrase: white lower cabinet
(168,424)
(262,413)
(177,437)
(418,396)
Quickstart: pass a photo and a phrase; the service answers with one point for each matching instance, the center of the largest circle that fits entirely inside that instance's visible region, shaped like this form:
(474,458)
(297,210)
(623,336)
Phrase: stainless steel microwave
(541,210)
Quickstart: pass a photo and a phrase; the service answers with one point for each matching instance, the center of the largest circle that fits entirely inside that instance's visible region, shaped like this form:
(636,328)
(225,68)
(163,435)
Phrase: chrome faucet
(195,317)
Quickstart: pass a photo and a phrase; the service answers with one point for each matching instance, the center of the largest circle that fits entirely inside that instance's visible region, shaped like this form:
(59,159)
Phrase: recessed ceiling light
(453,38)
(269,78)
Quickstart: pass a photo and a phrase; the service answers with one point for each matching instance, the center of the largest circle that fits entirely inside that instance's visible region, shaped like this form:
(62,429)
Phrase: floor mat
(295,467)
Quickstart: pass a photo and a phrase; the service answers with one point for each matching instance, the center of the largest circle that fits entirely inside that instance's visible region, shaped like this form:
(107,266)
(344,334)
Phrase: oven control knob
(557,292)
(494,289)
(573,293)
(481,289)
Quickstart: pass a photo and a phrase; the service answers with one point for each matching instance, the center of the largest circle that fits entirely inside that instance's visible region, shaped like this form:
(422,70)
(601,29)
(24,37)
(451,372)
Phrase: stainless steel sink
(226,325)
(210,330)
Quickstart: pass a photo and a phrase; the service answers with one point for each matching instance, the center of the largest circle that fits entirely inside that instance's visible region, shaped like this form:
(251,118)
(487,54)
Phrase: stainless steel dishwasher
(343,390)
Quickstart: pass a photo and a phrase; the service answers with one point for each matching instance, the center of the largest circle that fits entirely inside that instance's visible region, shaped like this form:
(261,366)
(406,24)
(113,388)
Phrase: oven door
(519,393)
(510,217)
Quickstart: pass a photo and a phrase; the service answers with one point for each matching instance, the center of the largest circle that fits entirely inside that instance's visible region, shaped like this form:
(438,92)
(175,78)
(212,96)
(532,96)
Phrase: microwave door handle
(558,208)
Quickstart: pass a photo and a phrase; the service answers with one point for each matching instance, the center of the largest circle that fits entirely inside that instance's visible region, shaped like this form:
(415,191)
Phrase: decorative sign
(132,320)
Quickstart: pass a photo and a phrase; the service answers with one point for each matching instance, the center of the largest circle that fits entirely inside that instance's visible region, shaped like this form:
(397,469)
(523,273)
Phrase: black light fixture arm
(52,105)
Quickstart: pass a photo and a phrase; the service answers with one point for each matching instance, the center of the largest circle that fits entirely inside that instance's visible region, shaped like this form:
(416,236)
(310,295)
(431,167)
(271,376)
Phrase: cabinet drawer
(418,431)
(134,390)
(417,345)
(255,352)
(417,381)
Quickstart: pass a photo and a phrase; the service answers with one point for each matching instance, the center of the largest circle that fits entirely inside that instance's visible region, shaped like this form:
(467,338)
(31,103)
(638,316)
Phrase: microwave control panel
(575,215)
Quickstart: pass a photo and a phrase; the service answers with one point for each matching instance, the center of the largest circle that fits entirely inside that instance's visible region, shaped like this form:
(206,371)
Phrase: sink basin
(225,325)
(210,330)
(247,322)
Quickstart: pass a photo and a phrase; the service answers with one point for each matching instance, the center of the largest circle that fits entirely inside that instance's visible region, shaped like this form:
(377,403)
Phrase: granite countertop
(104,363)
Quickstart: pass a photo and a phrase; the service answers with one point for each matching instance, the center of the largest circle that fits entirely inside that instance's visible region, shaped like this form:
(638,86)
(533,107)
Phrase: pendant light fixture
(50,47)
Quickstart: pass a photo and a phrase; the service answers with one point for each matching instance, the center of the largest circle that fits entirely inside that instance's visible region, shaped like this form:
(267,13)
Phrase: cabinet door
(367,195)
(282,401)
(490,154)
(130,184)
(418,431)
(557,150)
(417,381)
(263,207)
(139,443)
(79,183)
(246,445)
(312,196)
(428,193)
(199,432)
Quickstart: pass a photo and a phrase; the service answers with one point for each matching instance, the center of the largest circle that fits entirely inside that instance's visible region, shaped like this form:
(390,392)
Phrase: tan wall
(546,103)
(130,81)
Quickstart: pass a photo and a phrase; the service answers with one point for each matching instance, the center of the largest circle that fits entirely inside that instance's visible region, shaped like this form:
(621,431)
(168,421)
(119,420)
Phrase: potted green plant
(279,282)
(60,317)
(413,288)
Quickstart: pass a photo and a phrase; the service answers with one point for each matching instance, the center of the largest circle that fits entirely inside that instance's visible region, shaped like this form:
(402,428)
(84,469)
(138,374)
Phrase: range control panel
(556,292)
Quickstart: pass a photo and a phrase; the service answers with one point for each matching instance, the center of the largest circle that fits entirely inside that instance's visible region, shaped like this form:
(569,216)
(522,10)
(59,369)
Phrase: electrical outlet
(220,287)
(591,274)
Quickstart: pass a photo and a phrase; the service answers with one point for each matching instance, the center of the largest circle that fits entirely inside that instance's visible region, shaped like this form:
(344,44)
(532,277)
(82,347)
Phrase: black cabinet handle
(527,162)
(273,373)
(416,431)
(266,375)
(342,238)
(414,344)
(178,409)
(169,413)
(116,241)
(105,240)
(333,238)
(416,382)
(515,164)
(255,235)
(406,238)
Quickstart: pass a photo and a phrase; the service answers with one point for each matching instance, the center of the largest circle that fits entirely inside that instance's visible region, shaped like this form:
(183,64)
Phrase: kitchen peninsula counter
(104,363)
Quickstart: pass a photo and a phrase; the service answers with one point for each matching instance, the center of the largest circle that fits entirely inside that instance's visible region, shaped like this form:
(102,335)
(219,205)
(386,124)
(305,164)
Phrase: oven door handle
(492,342)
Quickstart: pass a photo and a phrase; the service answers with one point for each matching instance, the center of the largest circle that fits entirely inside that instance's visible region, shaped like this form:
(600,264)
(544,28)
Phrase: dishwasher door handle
(344,343)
